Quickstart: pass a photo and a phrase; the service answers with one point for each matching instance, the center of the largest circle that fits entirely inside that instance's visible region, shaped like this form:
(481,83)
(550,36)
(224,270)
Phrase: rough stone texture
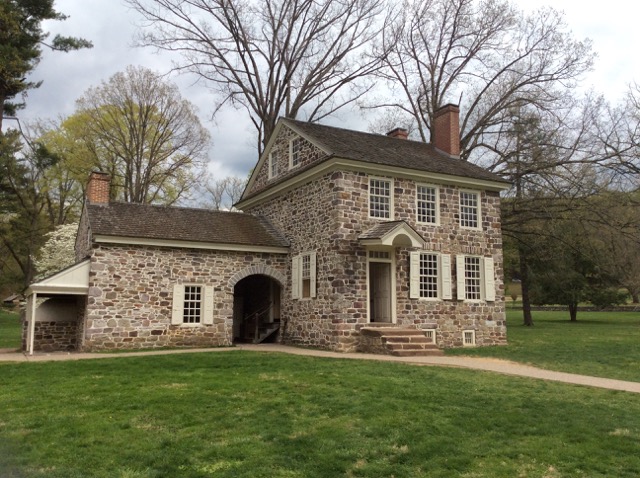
(131,294)
(83,240)
(328,214)
(55,336)
(309,154)
(130,297)
(58,324)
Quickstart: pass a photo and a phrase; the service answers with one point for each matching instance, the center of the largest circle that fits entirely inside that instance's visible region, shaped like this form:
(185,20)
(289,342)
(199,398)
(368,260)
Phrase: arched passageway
(256,309)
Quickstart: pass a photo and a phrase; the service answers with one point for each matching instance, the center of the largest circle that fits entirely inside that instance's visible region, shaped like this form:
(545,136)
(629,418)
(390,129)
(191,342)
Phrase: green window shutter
(414,275)
(460,277)
(489,280)
(445,276)
(312,272)
(296,264)
(207,309)
(178,305)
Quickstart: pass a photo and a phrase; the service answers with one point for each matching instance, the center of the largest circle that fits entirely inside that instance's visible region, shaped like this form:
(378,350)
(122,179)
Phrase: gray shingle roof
(387,151)
(379,230)
(182,224)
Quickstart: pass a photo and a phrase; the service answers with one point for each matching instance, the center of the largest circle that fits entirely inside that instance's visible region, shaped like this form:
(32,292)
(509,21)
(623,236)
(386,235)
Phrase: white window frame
(436,189)
(370,197)
(273,163)
(299,275)
(430,334)
(487,284)
(295,145)
(469,338)
(478,210)
(443,276)
(178,306)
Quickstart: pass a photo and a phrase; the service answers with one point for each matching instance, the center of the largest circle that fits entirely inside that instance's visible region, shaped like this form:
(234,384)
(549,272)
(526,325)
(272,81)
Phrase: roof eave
(182,244)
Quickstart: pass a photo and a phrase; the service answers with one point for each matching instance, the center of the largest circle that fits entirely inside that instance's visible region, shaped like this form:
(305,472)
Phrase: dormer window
(295,152)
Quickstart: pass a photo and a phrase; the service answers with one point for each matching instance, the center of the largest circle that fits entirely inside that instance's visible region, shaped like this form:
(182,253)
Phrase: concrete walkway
(486,364)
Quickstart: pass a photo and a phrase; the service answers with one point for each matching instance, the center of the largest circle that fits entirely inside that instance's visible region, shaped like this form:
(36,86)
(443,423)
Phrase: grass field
(243,414)
(602,344)
(10,330)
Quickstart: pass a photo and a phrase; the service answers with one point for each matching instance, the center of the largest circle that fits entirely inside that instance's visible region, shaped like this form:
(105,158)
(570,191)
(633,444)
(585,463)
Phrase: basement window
(469,338)
(431,335)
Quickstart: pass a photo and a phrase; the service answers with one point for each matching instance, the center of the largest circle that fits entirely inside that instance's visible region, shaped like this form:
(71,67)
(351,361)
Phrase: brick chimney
(446,129)
(98,188)
(399,133)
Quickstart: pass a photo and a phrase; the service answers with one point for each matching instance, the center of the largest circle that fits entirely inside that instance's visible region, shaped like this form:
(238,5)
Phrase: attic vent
(468,338)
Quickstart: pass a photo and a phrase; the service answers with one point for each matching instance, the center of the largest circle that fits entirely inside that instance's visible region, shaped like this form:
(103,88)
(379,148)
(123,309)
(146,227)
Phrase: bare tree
(619,132)
(484,55)
(223,193)
(137,127)
(297,58)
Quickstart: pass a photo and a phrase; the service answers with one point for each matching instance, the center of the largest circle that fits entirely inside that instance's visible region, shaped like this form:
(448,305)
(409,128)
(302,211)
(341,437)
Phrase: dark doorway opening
(256,310)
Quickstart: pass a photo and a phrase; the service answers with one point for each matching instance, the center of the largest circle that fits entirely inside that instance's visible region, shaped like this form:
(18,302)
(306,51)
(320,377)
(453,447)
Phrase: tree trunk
(573,311)
(524,283)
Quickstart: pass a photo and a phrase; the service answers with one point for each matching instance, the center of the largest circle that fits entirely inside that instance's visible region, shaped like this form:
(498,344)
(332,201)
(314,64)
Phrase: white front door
(380,292)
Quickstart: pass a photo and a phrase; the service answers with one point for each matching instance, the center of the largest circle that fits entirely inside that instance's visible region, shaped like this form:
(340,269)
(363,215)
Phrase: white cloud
(111,26)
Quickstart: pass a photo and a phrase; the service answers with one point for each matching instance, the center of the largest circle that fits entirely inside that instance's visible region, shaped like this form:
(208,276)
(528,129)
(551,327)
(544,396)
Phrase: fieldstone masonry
(328,214)
(130,298)
(131,294)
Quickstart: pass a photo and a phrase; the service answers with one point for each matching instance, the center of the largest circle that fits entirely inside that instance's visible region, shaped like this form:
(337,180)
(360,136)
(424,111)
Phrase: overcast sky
(110,25)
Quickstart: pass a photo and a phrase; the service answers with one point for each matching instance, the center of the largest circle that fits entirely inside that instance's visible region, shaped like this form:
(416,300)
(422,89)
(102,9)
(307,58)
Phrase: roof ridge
(169,206)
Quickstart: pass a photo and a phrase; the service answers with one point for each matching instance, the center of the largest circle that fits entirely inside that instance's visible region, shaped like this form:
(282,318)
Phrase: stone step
(388,331)
(411,345)
(416,339)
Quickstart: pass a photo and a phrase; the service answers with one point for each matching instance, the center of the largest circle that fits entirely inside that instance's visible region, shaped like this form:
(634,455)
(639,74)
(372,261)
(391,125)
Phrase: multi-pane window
(273,163)
(427,203)
(295,152)
(428,275)
(306,276)
(379,198)
(303,276)
(192,304)
(469,209)
(472,278)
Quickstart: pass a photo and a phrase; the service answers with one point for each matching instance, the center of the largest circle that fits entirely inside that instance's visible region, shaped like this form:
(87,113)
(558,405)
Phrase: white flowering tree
(58,252)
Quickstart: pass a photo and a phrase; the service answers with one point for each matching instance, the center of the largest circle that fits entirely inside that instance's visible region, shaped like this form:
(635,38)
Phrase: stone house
(346,240)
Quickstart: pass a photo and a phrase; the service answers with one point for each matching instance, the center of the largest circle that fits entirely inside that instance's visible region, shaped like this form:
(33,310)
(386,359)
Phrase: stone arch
(258,269)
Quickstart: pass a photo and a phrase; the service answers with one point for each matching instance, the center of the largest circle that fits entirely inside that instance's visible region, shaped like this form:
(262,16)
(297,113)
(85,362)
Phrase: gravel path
(486,364)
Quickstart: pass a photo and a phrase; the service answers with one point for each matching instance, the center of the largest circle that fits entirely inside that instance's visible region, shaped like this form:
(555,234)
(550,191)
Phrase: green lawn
(243,414)
(10,330)
(603,344)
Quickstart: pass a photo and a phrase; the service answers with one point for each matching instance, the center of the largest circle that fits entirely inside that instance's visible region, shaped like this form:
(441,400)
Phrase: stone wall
(309,154)
(56,327)
(83,243)
(131,294)
(52,336)
(328,214)
(309,221)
